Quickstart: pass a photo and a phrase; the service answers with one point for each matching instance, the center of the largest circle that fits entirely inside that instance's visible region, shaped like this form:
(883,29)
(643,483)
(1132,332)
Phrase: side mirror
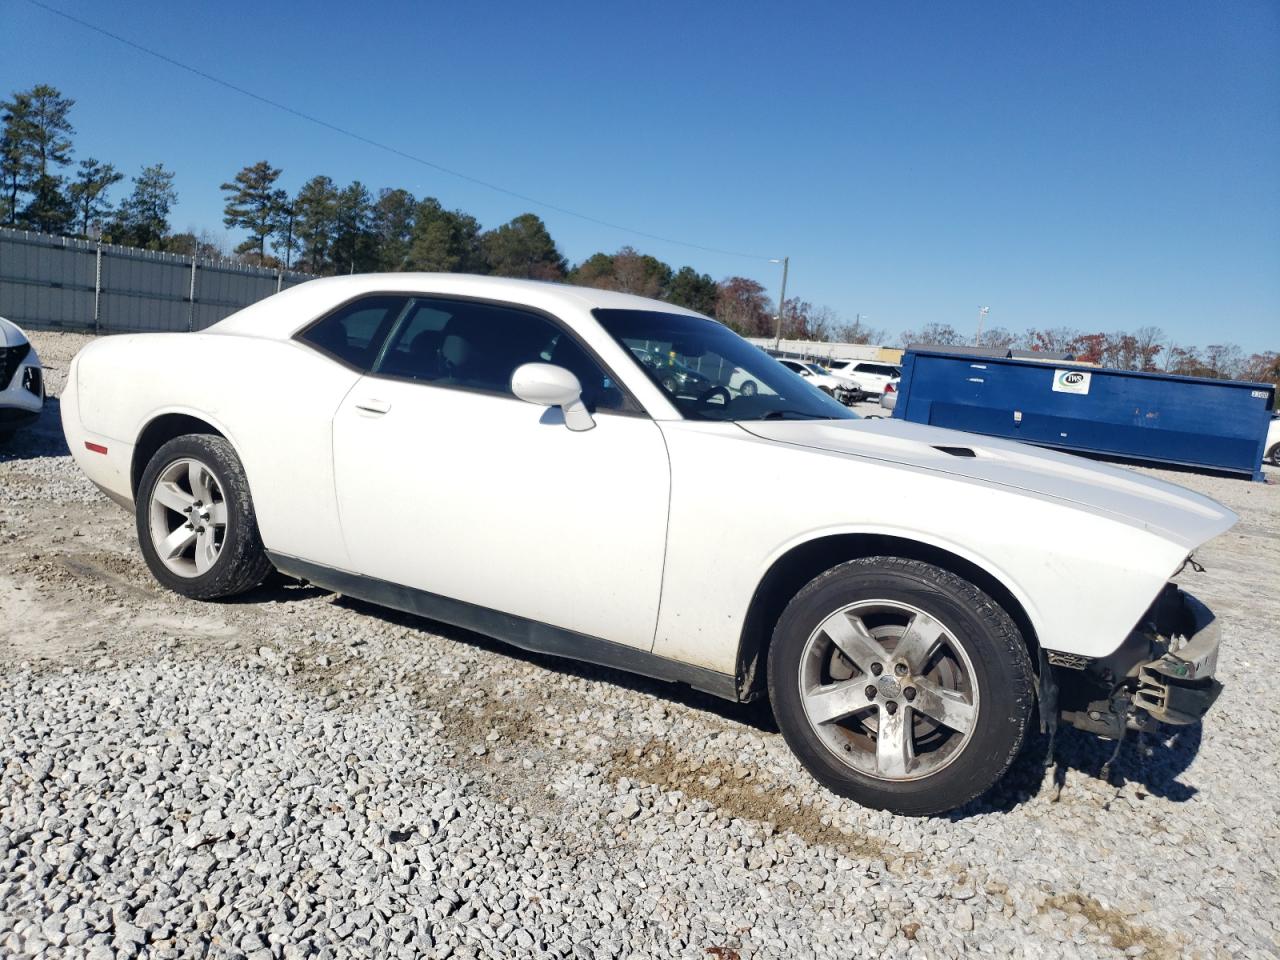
(550,386)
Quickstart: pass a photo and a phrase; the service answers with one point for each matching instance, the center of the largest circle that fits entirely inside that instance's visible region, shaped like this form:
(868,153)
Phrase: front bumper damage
(1162,673)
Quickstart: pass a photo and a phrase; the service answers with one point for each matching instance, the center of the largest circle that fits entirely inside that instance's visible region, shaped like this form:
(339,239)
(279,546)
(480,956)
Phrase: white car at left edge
(21,380)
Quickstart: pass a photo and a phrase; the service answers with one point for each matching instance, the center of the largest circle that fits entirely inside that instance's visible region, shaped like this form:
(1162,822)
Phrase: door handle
(373,408)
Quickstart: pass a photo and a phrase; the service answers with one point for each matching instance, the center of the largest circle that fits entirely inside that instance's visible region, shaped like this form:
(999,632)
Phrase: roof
(967,349)
(282,314)
(1041,355)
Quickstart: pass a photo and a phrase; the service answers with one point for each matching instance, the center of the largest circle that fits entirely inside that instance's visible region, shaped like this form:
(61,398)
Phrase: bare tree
(942,334)
(1148,343)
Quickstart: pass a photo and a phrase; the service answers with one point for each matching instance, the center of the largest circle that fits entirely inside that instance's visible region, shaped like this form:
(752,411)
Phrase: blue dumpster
(1159,417)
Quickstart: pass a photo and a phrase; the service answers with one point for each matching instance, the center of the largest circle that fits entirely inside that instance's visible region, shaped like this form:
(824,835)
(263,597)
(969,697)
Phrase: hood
(1165,509)
(11,334)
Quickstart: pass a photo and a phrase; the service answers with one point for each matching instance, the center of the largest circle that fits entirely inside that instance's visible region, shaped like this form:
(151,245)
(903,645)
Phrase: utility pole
(982,314)
(782,300)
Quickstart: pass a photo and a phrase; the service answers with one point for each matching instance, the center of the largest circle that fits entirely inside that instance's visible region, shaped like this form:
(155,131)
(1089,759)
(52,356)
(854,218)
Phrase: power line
(378,144)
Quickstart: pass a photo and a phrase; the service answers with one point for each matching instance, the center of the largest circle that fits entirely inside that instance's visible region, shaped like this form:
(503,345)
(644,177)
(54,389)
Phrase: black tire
(748,388)
(1000,665)
(1273,455)
(826,390)
(6,436)
(242,562)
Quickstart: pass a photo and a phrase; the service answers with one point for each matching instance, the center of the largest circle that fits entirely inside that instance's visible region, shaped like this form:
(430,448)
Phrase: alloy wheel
(889,690)
(188,517)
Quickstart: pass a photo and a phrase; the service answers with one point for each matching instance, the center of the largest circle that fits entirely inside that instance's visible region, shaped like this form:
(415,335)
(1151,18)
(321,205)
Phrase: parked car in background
(889,399)
(1272,446)
(21,380)
(497,454)
(674,376)
(842,388)
(869,375)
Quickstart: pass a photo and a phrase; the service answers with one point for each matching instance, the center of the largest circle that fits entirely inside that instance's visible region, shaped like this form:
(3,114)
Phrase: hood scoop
(957,451)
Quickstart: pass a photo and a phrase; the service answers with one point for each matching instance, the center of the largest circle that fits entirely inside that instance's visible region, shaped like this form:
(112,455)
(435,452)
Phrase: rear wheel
(195,519)
(1273,455)
(900,685)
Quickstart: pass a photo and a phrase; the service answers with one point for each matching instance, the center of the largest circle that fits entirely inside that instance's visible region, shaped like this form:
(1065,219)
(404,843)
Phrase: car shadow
(1151,762)
(43,438)
(277,588)
(756,715)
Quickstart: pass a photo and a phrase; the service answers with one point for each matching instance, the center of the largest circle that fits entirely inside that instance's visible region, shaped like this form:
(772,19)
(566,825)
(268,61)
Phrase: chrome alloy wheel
(188,518)
(888,690)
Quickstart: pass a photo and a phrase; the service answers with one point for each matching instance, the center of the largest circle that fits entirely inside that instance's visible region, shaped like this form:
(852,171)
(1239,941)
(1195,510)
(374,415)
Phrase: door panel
(493,501)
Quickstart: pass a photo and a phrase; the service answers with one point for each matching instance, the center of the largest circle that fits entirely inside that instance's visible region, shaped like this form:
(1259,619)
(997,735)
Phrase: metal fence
(59,283)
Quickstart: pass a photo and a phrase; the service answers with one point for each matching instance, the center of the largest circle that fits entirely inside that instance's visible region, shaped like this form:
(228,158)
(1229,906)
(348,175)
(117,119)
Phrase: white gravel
(299,775)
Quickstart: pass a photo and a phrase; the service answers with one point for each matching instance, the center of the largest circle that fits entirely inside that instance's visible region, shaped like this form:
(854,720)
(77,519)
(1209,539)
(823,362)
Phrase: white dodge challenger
(491,454)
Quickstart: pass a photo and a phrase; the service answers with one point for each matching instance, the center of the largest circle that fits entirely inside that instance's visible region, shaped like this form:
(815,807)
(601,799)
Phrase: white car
(1272,447)
(21,380)
(492,454)
(842,388)
(869,375)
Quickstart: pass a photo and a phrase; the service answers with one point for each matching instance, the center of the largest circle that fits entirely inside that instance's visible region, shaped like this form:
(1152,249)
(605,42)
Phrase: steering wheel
(722,392)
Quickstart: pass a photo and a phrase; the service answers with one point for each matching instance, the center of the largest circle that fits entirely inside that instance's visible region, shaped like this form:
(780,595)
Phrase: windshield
(821,371)
(711,373)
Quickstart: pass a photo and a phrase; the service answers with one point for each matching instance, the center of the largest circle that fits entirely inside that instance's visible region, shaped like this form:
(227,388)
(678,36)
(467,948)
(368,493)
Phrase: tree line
(1147,348)
(325,228)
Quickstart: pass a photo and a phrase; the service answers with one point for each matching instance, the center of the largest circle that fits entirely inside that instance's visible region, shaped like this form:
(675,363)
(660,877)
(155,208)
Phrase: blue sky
(1096,165)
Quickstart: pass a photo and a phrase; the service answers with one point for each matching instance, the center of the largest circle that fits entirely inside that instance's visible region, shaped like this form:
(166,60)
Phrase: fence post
(191,308)
(97,289)
(279,279)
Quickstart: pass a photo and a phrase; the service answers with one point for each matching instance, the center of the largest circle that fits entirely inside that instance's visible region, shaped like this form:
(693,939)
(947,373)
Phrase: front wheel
(1273,455)
(196,523)
(900,685)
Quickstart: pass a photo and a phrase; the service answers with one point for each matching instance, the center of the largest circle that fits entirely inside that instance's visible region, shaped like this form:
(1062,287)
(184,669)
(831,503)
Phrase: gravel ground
(300,775)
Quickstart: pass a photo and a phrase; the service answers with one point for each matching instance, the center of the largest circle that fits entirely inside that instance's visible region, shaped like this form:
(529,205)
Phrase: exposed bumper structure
(1180,687)
(1162,673)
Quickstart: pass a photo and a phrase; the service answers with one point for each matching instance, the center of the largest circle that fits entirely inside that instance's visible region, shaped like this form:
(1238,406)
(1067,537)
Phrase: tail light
(890,388)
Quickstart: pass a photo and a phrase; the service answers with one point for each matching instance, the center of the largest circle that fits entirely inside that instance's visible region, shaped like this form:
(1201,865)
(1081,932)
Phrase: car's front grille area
(10,357)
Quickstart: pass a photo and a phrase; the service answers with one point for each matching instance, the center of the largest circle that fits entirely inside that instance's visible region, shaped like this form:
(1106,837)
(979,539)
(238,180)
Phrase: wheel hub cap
(888,686)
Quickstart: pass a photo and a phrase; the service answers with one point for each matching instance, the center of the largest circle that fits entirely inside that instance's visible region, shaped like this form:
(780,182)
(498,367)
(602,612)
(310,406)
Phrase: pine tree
(252,204)
(88,192)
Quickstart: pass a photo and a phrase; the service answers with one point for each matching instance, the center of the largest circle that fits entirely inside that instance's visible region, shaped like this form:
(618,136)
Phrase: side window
(355,332)
(478,346)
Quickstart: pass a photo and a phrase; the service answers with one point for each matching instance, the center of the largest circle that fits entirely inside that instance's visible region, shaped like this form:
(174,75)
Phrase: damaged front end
(1162,673)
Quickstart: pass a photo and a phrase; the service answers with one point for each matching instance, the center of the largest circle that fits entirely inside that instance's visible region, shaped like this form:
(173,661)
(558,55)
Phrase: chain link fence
(58,283)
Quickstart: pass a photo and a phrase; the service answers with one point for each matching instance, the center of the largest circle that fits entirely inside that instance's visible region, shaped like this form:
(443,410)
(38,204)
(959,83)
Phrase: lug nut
(892,707)
(900,669)
(909,693)
(871,691)
(877,669)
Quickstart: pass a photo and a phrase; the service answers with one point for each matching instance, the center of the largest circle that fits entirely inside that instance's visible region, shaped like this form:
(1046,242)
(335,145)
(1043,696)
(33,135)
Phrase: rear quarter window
(354,332)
